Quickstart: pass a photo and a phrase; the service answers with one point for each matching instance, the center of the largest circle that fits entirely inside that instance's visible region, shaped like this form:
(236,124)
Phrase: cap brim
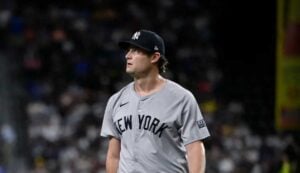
(126,44)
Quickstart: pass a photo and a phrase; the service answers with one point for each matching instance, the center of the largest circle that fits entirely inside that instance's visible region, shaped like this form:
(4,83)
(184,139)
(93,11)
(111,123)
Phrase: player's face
(138,62)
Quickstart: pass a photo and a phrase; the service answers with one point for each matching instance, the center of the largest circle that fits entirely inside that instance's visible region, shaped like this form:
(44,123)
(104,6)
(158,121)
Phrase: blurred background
(59,64)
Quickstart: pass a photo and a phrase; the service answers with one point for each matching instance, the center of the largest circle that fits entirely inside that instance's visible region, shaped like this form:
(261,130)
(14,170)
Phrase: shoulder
(178,94)
(123,92)
(178,90)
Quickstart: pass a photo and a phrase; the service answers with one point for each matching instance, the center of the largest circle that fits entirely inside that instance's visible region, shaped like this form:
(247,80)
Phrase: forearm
(112,165)
(113,156)
(196,164)
(196,157)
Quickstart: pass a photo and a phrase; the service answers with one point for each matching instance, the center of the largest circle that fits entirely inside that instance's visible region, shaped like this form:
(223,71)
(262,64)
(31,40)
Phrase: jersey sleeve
(193,124)
(108,128)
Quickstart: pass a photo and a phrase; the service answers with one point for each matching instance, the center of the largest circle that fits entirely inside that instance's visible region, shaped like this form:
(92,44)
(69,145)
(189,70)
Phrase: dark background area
(245,41)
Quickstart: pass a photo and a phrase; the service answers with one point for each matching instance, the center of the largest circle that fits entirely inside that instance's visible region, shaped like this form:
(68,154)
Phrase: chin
(129,72)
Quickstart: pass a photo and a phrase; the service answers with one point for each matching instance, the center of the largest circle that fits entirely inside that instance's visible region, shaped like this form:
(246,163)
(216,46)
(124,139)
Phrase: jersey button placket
(139,112)
(136,132)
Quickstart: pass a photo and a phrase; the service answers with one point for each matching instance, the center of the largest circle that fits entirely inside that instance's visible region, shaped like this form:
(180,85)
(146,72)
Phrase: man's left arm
(196,157)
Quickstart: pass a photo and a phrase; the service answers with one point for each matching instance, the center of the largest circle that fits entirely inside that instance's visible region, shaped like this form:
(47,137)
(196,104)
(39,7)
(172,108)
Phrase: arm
(196,157)
(113,155)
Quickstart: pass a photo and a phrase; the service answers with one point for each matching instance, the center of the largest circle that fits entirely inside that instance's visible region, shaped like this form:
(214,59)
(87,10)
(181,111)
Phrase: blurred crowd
(70,64)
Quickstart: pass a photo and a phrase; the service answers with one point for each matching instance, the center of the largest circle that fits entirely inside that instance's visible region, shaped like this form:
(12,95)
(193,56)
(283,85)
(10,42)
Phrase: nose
(128,55)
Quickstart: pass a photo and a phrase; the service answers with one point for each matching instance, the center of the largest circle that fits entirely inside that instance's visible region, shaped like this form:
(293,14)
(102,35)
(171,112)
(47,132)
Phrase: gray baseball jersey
(154,129)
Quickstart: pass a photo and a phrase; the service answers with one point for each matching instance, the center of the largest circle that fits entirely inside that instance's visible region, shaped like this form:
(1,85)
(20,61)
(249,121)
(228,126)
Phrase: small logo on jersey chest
(201,123)
(122,104)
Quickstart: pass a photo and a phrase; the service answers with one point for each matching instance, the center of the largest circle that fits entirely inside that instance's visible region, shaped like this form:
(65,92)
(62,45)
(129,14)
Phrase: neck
(148,85)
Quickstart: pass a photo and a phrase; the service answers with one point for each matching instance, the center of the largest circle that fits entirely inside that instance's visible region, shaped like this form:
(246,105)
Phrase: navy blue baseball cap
(146,40)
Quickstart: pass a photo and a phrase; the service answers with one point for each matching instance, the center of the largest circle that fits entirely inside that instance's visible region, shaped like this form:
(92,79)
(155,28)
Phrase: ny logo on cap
(155,47)
(136,35)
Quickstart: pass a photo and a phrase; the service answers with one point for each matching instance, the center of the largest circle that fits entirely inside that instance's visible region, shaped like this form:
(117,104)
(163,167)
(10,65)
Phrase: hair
(162,64)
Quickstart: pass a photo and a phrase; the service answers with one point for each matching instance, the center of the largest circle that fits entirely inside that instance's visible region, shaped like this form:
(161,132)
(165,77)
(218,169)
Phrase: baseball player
(154,125)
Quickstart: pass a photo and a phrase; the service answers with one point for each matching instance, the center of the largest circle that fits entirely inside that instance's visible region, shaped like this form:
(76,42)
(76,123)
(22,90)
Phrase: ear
(155,57)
